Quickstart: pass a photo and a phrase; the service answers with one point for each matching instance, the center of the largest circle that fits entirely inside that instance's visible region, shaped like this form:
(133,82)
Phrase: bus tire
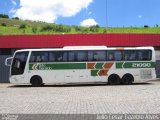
(114,79)
(36,81)
(127,79)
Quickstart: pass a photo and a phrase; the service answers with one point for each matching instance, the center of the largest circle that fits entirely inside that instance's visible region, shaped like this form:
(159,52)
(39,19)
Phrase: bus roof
(86,48)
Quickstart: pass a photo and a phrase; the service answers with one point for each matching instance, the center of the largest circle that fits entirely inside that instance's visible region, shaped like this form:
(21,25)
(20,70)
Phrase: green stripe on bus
(99,65)
(135,65)
(94,72)
(57,66)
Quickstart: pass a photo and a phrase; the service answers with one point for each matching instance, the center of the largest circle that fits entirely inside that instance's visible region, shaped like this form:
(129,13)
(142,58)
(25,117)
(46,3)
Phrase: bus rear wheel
(114,79)
(127,79)
(36,81)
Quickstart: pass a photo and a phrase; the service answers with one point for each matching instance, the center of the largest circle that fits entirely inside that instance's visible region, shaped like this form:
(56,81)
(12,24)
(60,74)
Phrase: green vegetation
(139,30)
(15,26)
(4,16)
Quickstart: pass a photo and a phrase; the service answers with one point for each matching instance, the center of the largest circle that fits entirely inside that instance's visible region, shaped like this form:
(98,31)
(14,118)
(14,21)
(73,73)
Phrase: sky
(105,13)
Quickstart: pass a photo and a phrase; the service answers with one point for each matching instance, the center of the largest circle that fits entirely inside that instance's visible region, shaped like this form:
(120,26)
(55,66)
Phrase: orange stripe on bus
(102,72)
(108,65)
(90,65)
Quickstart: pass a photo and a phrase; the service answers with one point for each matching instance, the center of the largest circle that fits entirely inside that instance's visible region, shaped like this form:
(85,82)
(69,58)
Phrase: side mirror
(8,61)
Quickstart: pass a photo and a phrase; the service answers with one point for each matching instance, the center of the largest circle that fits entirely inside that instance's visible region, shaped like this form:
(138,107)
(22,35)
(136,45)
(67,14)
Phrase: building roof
(50,41)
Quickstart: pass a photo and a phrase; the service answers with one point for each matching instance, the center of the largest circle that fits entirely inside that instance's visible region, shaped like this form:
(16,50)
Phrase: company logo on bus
(44,67)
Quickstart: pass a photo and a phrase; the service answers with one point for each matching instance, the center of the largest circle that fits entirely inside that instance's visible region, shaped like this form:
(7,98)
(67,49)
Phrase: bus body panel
(90,71)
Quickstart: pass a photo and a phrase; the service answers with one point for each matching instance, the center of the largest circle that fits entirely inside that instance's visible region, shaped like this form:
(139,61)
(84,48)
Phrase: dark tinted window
(82,56)
(110,55)
(118,56)
(97,55)
(144,55)
(129,55)
(52,57)
(48,56)
(39,56)
(71,56)
(60,56)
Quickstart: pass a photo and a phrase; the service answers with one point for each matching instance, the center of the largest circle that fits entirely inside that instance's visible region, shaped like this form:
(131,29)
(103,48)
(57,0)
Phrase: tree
(146,26)
(22,26)
(47,28)
(104,30)
(4,16)
(34,29)
(94,29)
(77,28)
(3,24)
(16,18)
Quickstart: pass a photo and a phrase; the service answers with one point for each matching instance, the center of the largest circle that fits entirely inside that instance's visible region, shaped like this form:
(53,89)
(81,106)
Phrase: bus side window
(147,55)
(129,55)
(90,56)
(38,59)
(139,55)
(144,54)
(51,57)
(71,56)
(44,56)
(32,58)
(61,56)
(99,55)
(82,56)
(110,55)
(95,56)
(65,56)
(118,55)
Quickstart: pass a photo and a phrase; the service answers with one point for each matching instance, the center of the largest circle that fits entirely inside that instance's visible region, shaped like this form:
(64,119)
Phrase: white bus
(82,64)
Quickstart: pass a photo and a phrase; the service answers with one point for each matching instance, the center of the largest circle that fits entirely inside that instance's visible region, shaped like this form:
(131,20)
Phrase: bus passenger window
(118,56)
(99,56)
(60,57)
(139,55)
(129,55)
(144,55)
(95,57)
(71,56)
(51,57)
(90,55)
(82,56)
(110,55)
(38,59)
(44,57)
(37,56)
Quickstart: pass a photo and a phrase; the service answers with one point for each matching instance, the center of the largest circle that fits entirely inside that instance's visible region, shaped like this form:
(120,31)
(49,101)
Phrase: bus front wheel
(36,81)
(127,79)
(114,79)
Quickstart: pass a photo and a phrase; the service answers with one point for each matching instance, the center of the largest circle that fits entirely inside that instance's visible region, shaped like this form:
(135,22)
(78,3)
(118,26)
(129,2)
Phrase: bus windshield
(19,63)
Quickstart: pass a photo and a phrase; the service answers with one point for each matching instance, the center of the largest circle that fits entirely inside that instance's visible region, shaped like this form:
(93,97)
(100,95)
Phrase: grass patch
(16,27)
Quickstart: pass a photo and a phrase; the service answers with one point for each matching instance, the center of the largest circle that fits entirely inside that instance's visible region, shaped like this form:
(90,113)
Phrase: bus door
(19,65)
